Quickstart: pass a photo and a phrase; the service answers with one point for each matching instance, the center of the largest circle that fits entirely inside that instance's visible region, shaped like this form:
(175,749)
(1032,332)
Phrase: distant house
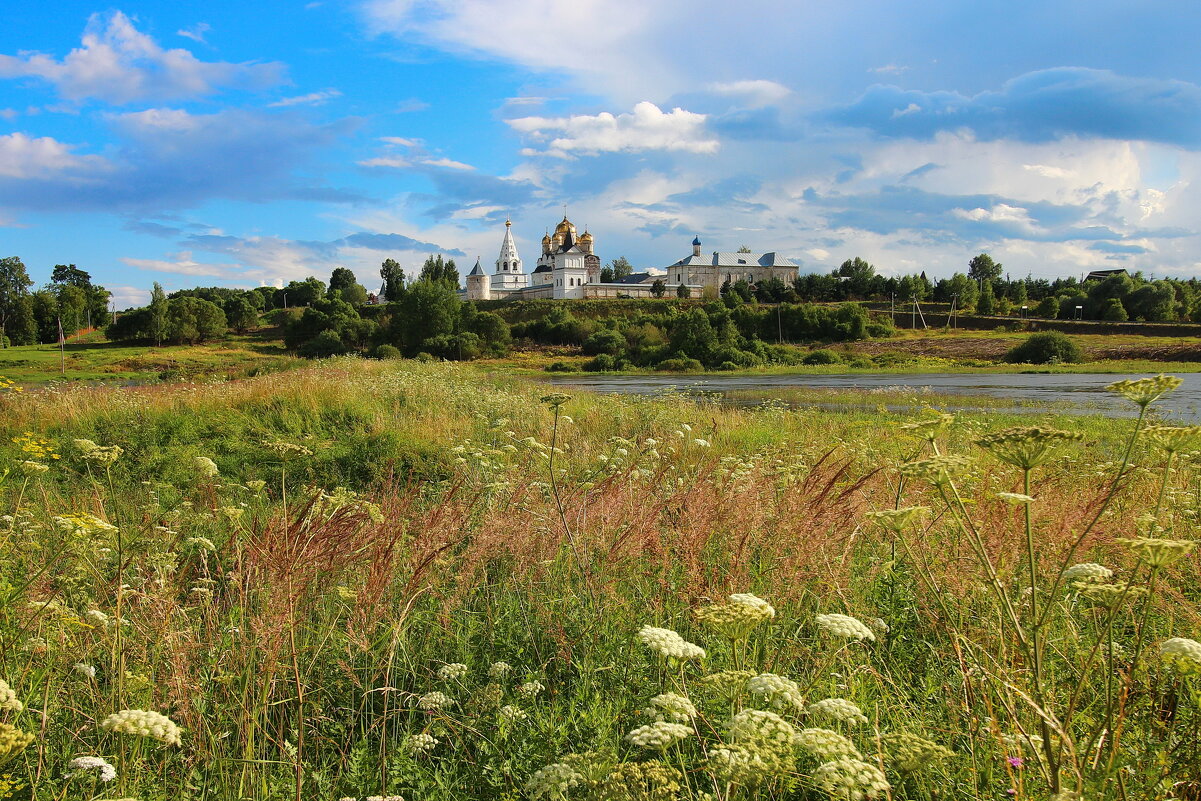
(1101,275)
(714,270)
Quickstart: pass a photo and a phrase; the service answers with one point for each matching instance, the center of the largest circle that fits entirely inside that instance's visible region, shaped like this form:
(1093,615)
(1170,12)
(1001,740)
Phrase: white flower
(1182,653)
(758,726)
(452,671)
(877,625)
(553,781)
(839,709)
(435,700)
(513,714)
(85,670)
(531,689)
(669,644)
(8,698)
(701,443)
(420,743)
(826,744)
(498,670)
(143,723)
(845,626)
(204,466)
(671,707)
(778,692)
(658,735)
(1088,571)
(105,771)
(851,779)
(746,599)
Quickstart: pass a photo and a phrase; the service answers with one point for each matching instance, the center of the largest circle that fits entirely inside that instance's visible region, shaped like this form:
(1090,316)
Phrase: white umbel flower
(8,698)
(839,709)
(669,644)
(553,781)
(778,692)
(143,723)
(1087,571)
(1181,653)
(845,626)
(513,714)
(204,466)
(499,670)
(760,726)
(434,701)
(420,743)
(826,744)
(105,772)
(671,707)
(851,779)
(658,735)
(746,599)
(531,689)
(453,671)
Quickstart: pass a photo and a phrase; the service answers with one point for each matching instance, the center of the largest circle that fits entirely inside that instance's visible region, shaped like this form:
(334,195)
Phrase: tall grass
(419,580)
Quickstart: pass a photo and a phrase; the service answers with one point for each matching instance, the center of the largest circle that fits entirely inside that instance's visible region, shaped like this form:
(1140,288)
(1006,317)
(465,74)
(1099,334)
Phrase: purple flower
(1015,762)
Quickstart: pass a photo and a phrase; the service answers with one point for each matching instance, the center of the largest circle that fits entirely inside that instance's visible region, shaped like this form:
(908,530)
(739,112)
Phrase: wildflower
(1145,391)
(513,714)
(929,429)
(85,670)
(105,772)
(658,735)
(420,743)
(287,451)
(759,726)
(434,701)
(256,485)
(701,443)
(1026,448)
(740,764)
(83,524)
(671,707)
(844,626)
(85,446)
(452,671)
(531,689)
(1108,594)
(734,621)
(32,468)
(727,683)
(754,601)
(1087,571)
(8,698)
(851,779)
(778,692)
(897,520)
(12,740)
(1015,498)
(201,543)
(498,670)
(1182,654)
(906,753)
(1015,762)
(1174,439)
(669,644)
(1160,552)
(143,723)
(101,456)
(232,513)
(553,781)
(204,467)
(878,626)
(825,744)
(384,798)
(839,709)
(937,470)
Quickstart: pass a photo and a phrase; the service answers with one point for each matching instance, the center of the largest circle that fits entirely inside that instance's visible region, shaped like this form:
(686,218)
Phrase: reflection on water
(1027,392)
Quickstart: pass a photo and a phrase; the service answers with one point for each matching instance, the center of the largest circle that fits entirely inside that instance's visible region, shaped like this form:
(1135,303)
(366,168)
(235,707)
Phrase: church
(569,268)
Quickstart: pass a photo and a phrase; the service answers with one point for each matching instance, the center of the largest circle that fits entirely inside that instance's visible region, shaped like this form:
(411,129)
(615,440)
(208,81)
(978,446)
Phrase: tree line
(66,305)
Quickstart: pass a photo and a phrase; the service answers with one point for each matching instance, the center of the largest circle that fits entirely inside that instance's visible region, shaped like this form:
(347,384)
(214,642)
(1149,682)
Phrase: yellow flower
(1145,391)
(1160,552)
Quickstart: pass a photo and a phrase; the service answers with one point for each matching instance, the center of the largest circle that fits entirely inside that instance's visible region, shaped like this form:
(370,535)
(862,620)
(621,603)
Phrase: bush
(727,366)
(607,342)
(386,352)
(679,365)
(822,356)
(602,363)
(325,344)
(1050,346)
(560,367)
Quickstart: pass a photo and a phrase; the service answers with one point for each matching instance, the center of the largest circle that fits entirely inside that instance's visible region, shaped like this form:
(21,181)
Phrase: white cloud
(181,263)
(448,163)
(23,157)
(756,93)
(647,127)
(386,161)
(311,99)
(912,108)
(411,105)
(118,64)
(196,32)
(401,141)
(888,69)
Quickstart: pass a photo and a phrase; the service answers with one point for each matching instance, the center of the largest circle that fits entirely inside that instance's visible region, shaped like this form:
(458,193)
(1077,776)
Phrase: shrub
(560,367)
(603,362)
(325,344)
(1046,347)
(386,352)
(606,341)
(679,365)
(727,366)
(822,356)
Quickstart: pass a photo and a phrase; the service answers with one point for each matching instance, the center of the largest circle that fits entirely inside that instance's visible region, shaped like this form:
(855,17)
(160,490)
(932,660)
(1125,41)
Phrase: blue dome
(696,240)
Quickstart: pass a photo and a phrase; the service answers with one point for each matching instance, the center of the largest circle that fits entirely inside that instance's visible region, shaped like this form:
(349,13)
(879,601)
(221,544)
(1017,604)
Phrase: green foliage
(428,310)
(394,280)
(679,364)
(658,288)
(822,356)
(1113,311)
(386,352)
(437,271)
(14,285)
(1048,308)
(1046,347)
(983,268)
(325,344)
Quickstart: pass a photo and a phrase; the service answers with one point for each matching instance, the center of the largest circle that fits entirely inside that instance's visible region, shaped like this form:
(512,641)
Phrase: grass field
(378,579)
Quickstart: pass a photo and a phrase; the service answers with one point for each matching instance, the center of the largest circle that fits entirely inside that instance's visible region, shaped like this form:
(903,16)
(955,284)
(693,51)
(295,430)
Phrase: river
(1063,392)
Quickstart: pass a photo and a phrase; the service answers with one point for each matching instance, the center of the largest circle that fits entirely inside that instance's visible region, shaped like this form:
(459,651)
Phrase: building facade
(714,270)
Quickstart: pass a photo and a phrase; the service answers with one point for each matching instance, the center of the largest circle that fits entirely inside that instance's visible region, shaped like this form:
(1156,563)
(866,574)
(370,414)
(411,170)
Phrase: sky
(242,144)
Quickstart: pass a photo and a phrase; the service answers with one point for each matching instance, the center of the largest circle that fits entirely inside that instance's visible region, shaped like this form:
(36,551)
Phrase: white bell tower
(510,274)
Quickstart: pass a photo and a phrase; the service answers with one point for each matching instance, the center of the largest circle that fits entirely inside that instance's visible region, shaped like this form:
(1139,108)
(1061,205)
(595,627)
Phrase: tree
(394,279)
(14,285)
(606,275)
(240,312)
(1048,307)
(304,293)
(439,271)
(983,268)
(858,275)
(341,278)
(683,291)
(965,288)
(987,304)
(429,309)
(658,288)
(70,274)
(621,267)
(744,249)
(159,306)
(1112,311)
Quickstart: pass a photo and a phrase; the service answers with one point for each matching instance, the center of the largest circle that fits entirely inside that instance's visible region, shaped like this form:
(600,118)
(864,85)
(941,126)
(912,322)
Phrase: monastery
(569,268)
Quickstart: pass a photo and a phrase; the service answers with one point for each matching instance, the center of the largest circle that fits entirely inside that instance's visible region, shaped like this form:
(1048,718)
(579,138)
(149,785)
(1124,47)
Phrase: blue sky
(247,143)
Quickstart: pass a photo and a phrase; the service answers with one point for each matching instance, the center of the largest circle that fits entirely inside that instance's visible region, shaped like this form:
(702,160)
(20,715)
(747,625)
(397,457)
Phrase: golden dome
(546,239)
(564,227)
(586,237)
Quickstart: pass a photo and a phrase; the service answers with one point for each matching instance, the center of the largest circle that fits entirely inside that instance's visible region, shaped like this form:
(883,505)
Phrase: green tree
(745,249)
(341,278)
(22,327)
(45,315)
(620,268)
(693,335)
(14,285)
(72,308)
(439,271)
(987,303)
(303,293)
(857,275)
(1112,311)
(1048,307)
(429,309)
(394,280)
(70,274)
(983,268)
(966,290)
(658,288)
(240,312)
(683,292)
(159,325)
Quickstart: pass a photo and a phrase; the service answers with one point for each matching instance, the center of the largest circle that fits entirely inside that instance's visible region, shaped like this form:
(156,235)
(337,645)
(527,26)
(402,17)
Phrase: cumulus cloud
(182,263)
(116,63)
(647,127)
(169,158)
(1040,106)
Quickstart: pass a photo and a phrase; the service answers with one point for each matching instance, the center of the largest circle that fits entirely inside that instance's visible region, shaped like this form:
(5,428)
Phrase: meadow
(380,579)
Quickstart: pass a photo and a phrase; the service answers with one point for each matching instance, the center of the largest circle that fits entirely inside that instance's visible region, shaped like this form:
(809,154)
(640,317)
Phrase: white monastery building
(569,268)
